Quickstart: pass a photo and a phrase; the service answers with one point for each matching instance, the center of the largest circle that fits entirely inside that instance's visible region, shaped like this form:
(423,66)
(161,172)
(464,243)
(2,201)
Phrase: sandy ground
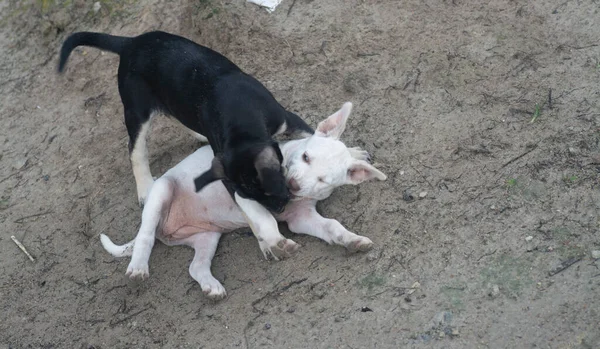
(490,107)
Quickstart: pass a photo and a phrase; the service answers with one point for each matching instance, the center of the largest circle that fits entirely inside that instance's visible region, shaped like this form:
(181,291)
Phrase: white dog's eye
(321,180)
(305,158)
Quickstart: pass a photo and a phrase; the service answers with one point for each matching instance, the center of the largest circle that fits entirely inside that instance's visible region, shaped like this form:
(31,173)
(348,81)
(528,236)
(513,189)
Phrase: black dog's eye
(305,158)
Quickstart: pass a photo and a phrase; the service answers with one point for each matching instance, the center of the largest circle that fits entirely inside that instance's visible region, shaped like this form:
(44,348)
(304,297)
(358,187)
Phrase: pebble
(414,287)
(573,150)
(494,292)
(20,163)
(455,332)
(407,196)
(596,254)
(441,319)
(96,7)
(422,194)
(61,19)
(267,326)
(373,255)
(529,238)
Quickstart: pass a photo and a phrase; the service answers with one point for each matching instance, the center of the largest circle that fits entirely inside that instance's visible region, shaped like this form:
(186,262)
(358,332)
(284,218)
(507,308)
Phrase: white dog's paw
(359,154)
(212,288)
(283,249)
(138,271)
(359,244)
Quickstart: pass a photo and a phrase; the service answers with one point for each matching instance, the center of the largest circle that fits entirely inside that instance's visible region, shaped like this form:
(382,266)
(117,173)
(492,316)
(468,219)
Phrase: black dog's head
(255,172)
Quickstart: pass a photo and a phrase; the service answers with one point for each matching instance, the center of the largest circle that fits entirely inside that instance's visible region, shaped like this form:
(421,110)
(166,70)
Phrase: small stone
(60,20)
(46,178)
(441,320)
(407,196)
(291,310)
(494,292)
(373,255)
(455,332)
(414,287)
(493,207)
(529,238)
(46,29)
(20,163)
(596,254)
(340,318)
(573,150)
(402,173)
(267,326)
(422,194)
(441,335)
(97,6)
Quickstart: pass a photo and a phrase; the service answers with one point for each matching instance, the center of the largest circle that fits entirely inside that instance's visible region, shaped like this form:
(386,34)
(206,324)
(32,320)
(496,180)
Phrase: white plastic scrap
(269,5)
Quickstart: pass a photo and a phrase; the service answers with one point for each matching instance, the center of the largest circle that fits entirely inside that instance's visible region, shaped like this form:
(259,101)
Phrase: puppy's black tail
(105,42)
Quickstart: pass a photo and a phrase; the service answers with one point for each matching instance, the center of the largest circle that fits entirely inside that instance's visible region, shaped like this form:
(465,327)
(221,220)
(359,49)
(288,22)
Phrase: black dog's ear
(275,146)
(215,173)
(268,160)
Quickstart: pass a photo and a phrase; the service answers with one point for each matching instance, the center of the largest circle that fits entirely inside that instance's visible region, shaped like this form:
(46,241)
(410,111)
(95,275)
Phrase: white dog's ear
(361,171)
(335,124)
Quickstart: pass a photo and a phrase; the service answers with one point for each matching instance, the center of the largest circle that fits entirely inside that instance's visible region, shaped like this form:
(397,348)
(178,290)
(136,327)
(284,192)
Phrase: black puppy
(162,72)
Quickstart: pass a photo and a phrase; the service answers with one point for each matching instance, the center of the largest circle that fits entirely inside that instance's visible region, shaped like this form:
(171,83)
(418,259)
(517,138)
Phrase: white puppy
(176,215)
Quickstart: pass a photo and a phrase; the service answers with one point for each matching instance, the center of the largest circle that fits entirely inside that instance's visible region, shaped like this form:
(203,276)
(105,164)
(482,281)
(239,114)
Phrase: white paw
(359,244)
(138,271)
(212,288)
(283,249)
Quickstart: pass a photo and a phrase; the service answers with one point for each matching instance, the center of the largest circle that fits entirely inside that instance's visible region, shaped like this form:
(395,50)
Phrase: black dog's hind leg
(137,103)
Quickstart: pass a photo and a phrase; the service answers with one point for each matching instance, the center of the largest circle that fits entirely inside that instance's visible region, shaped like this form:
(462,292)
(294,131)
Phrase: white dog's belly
(189,213)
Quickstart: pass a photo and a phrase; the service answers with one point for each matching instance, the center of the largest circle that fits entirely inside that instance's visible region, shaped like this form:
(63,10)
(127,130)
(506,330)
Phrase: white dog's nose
(293,184)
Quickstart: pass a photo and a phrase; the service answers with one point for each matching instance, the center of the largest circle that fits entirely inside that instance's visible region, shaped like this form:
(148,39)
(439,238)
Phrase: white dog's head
(318,164)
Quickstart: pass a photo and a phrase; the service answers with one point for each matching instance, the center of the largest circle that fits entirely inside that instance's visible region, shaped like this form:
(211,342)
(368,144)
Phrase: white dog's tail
(116,250)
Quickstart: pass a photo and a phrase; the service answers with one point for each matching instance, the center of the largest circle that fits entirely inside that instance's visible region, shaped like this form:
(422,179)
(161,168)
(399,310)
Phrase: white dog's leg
(205,245)
(304,219)
(264,227)
(159,198)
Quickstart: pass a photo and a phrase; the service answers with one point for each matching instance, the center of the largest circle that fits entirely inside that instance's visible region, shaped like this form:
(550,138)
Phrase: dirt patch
(492,109)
